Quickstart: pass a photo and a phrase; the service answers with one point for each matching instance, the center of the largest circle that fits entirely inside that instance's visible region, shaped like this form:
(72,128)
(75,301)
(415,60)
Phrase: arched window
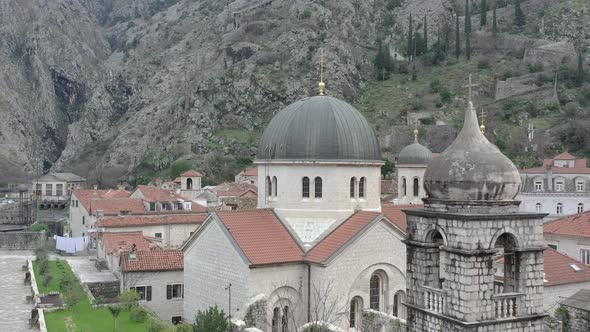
(285,320)
(399,309)
(268,186)
(318,187)
(305,187)
(416,187)
(352,187)
(362,186)
(375,292)
(274,186)
(538,207)
(189,184)
(276,313)
(559,209)
(356,313)
(404,188)
(506,245)
(580,207)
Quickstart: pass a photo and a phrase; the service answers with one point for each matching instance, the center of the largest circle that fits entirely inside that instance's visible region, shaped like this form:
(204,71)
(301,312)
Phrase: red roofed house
(83,215)
(157,277)
(249,175)
(111,245)
(564,276)
(172,229)
(236,196)
(560,187)
(570,236)
(160,199)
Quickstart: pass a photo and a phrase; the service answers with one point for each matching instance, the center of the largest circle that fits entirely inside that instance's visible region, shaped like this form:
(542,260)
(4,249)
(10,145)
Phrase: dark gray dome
(414,154)
(319,128)
(472,168)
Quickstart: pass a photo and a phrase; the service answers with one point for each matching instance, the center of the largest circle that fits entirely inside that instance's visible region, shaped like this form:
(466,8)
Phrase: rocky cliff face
(105,85)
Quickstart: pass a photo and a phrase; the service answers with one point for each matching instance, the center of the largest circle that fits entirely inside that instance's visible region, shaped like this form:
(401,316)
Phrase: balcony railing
(434,299)
(498,287)
(506,305)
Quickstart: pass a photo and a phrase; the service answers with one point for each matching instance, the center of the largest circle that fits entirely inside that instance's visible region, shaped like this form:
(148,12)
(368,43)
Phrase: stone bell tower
(470,224)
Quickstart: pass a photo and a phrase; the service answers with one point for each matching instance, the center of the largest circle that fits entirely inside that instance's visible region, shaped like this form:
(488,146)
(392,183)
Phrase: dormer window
(538,185)
(580,185)
(559,185)
(152,206)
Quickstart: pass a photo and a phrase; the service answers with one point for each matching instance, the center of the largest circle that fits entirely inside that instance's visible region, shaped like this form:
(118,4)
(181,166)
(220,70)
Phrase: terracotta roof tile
(558,269)
(565,156)
(261,236)
(86,195)
(114,206)
(157,194)
(388,187)
(191,173)
(557,170)
(395,214)
(234,189)
(115,241)
(145,220)
(155,260)
(116,193)
(252,171)
(574,225)
(340,236)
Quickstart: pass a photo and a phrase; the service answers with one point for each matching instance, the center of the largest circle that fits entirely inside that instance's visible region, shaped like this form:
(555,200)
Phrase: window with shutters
(144,292)
(174,291)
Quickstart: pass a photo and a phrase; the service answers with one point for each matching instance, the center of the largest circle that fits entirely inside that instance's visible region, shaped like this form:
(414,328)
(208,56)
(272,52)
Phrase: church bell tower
(474,262)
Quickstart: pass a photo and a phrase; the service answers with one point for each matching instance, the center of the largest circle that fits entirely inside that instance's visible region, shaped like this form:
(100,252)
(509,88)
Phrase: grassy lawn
(81,317)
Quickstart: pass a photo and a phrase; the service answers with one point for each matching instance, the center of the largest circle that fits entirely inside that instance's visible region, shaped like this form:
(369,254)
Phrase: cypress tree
(425,35)
(483,13)
(467,17)
(519,18)
(468,46)
(494,21)
(457,39)
(410,40)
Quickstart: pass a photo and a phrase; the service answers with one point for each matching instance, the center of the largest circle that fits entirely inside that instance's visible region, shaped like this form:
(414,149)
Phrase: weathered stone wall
(580,320)
(104,289)
(255,315)
(21,240)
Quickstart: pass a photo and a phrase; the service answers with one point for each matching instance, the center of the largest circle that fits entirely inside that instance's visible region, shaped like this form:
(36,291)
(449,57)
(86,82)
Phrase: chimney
(549,172)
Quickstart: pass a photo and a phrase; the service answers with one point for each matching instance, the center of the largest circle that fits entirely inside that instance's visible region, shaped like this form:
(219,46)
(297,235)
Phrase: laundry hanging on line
(71,244)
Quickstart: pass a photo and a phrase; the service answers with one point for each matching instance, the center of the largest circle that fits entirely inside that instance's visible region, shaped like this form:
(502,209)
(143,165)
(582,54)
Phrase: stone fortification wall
(21,240)
(526,86)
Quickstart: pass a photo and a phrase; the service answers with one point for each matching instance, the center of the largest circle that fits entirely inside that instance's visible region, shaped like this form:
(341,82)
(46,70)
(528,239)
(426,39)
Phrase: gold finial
(482,128)
(322,85)
(416,132)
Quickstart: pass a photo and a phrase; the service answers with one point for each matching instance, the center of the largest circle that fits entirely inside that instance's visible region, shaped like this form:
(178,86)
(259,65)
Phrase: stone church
(318,247)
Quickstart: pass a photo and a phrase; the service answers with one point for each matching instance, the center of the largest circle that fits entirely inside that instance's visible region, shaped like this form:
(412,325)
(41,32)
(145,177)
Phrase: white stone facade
(163,307)
(553,295)
(571,203)
(80,221)
(211,263)
(569,245)
(408,191)
(336,186)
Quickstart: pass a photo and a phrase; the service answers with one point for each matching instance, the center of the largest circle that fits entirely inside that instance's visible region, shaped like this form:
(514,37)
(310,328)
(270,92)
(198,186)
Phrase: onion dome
(472,168)
(319,128)
(414,154)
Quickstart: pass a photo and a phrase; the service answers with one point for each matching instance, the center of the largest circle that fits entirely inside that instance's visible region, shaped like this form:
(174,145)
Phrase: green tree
(115,311)
(388,167)
(410,39)
(178,167)
(519,18)
(467,17)
(382,62)
(128,298)
(568,20)
(494,20)
(468,46)
(211,320)
(425,41)
(457,39)
(483,12)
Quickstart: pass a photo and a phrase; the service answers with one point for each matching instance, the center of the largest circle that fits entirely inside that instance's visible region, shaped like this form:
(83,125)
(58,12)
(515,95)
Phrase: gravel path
(14,311)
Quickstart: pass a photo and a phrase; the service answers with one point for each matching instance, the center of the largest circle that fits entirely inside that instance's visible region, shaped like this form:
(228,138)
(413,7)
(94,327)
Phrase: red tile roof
(157,260)
(116,193)
(565,156)
(252,171)
(558,269)
(261,235)
(151,220)
(395,214)
(115,241)
(191,173)
(234,189)
(574,225)
(177,180)
(157,194)
(86,195)
(342,235)
(114,206)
